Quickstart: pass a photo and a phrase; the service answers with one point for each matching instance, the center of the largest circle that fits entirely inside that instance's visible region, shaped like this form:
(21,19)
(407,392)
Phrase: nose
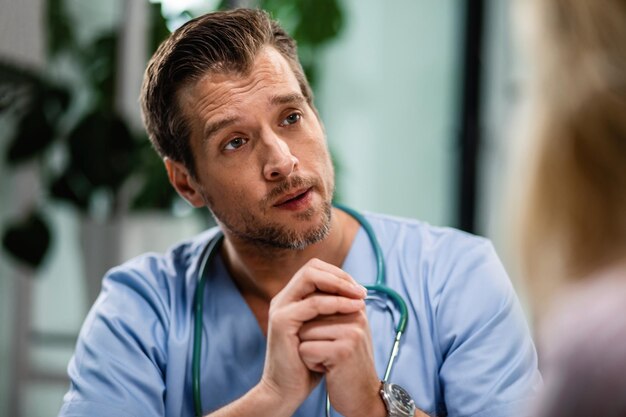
(279,161)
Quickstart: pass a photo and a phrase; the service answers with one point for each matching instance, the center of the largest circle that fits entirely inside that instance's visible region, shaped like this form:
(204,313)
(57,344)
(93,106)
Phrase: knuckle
(275,315)
(274,304)
(304,350)
(316,303)
(314,262)
(354,333)
(344,351)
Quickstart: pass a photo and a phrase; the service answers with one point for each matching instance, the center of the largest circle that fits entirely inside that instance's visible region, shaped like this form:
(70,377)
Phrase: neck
(262,272)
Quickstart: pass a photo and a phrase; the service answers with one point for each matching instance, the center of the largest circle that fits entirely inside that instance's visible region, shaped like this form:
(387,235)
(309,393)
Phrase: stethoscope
(375,291)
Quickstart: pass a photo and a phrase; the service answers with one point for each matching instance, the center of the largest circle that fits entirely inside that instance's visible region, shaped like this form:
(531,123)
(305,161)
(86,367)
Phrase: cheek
(316,147)
(322,156)
(236,189)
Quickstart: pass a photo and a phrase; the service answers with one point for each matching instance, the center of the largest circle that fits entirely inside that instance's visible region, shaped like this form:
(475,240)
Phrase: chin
(311,226)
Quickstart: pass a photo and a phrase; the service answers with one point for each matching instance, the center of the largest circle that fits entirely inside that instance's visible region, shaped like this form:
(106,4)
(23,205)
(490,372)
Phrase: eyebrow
(212,128)
(294,98)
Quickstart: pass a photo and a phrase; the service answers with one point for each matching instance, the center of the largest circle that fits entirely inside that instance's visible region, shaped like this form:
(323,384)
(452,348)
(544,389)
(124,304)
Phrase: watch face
(401,399)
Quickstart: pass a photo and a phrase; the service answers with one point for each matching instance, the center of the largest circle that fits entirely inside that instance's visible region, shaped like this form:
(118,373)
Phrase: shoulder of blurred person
(581,341)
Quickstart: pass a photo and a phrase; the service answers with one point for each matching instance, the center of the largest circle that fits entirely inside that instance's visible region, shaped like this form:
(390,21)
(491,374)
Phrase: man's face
(262,164)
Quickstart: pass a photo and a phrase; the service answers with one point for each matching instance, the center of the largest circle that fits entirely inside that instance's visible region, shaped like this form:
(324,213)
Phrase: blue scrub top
(467,350)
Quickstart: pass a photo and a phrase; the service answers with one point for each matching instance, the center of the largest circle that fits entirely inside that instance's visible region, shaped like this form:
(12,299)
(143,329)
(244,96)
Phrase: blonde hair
(572,217)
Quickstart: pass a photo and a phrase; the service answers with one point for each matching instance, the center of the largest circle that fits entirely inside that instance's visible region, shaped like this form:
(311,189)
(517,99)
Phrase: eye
(293,118)
(235,143)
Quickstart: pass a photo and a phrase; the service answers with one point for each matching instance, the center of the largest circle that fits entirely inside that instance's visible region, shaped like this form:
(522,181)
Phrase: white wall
(388,100)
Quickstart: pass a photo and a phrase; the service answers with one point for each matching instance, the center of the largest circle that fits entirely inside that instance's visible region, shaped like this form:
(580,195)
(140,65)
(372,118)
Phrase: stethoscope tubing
(207,256)
(211,250)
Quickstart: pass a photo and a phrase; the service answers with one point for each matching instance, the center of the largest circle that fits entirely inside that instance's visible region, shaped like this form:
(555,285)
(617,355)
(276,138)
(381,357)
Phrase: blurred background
(417,96)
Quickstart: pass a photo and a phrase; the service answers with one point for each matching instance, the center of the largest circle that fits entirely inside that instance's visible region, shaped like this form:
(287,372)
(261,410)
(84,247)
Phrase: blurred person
(279,304)
(572,225)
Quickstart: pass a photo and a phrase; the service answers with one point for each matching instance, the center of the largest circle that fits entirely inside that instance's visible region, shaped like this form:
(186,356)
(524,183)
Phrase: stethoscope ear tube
(198,302)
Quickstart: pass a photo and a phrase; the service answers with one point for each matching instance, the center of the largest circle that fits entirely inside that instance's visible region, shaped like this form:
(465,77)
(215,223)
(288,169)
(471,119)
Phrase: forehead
(270,75)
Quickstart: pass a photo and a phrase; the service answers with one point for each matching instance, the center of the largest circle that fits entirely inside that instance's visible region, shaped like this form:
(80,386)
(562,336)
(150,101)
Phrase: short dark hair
(224,41)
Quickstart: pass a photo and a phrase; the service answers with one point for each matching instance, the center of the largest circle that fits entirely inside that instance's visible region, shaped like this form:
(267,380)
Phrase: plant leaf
(156,191)
(60,34)
(34,135)
(102,149)
(28,239)
(73,187)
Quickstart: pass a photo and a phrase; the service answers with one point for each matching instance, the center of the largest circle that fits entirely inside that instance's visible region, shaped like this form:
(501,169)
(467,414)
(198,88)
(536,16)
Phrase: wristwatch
(397,401)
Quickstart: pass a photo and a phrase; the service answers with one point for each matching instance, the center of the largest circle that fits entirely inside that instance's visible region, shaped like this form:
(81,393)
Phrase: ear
(182,181)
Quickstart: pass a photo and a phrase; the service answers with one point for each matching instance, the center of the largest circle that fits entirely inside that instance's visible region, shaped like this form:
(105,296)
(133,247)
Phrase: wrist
(371,406)
(378,407)
(262,400)
(268,397)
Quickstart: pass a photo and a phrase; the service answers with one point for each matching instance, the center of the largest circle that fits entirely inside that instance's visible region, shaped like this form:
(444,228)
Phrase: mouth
(293,198)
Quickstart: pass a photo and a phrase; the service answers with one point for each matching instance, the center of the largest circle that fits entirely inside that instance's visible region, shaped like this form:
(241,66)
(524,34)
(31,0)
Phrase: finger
(323,277)
(313,356)
(324,354)
(319,264)
(316,305)
(312,365)
(332,327)
(316,268)
(332,353)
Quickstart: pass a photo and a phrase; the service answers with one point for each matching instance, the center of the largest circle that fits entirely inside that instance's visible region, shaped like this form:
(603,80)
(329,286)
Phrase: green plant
(84,150)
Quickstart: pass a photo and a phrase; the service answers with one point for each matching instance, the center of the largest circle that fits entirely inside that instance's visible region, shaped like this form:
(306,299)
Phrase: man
(227,106)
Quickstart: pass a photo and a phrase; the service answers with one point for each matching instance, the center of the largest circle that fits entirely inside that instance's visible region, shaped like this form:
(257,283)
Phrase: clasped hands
(318,327)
